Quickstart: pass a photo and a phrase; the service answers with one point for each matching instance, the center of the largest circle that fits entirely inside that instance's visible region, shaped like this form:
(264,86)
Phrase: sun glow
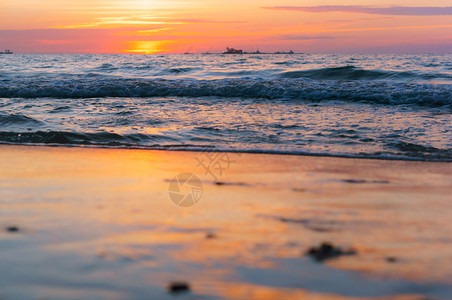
(146,47)
(141,4)
(145,26)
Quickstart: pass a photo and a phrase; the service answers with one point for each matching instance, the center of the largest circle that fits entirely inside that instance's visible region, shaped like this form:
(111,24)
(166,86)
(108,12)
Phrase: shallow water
(99,224)
(383,106)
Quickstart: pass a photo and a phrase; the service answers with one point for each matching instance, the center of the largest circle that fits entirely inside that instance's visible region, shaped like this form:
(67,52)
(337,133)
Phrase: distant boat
(7,52)
(188,51)
(290,52)
(208,51)
(256,52)
(233,51)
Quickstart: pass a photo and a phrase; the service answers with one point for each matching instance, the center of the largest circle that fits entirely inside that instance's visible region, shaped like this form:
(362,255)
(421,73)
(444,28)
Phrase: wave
(81,138)
(421,151)
(380,92)
(402,150)
(17,119)
(179,70)
(106,67)
(354,73)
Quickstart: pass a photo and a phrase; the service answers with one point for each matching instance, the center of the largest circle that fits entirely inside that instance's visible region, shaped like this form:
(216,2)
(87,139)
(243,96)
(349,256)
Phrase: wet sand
(79,223)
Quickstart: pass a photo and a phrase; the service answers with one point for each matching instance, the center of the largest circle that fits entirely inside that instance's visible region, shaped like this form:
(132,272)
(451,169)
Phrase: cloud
(61,40)
(392,11)
(190,21)
(55,42)
(114,22)
(142,32)
(358,20)
(431,47)
(304,37)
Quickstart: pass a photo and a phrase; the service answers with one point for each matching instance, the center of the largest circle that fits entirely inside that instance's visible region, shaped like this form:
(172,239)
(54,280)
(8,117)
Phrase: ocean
(373,106)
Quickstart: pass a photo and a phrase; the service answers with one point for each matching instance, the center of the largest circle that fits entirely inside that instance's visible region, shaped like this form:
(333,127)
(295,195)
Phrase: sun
(142,5)
(146,47)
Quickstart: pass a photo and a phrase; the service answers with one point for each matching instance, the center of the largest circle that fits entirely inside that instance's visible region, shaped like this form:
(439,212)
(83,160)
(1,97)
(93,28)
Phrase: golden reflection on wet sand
(103,218)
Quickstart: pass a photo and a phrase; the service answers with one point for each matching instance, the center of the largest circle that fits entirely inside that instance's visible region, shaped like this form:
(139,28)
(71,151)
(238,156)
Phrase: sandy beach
(84,223)
(225,150)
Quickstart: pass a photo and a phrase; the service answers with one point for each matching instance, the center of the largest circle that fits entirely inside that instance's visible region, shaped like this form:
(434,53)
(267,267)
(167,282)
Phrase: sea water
(378,106)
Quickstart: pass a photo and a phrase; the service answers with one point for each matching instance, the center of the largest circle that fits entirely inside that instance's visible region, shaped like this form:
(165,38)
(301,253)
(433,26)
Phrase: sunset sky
(173,26)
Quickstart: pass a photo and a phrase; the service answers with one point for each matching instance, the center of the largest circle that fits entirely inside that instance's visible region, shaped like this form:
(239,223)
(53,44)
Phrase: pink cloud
(57,40)
(393,10)
(303,37)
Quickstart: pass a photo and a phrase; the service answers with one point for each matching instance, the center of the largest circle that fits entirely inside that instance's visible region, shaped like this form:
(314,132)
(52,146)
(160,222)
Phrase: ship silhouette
(233,51)
(240,51)
(7,52)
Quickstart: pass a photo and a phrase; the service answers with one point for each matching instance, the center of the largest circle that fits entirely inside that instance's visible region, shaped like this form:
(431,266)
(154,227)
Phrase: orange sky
(155,26)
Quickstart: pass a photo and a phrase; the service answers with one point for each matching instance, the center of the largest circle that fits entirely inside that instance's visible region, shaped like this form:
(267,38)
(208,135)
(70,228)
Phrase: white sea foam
(432,95)
(366,106)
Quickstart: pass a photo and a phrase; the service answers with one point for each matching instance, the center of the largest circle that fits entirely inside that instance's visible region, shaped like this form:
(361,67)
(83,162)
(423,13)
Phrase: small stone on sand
(211,235)
(178,287)
(327,251)
(12,229)
(391,259)
(354,180)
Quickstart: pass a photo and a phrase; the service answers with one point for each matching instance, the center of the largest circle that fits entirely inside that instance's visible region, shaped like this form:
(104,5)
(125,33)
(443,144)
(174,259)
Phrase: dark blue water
(382,106)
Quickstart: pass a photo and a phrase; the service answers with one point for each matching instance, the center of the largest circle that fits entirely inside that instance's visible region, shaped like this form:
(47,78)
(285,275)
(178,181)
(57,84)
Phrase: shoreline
(103,220)
(177,148)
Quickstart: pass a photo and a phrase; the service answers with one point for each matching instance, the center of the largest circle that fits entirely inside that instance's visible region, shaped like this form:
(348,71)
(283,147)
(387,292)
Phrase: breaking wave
(81,138)
(379,106)
(17,119)
(379,92)
(354,73)
(401,150)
